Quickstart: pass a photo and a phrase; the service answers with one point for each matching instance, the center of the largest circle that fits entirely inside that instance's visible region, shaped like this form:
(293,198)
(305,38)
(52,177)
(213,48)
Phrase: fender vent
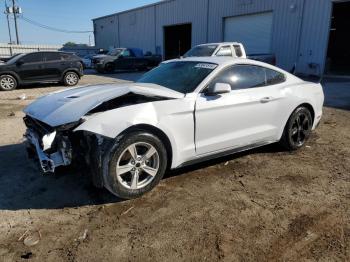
(72,97)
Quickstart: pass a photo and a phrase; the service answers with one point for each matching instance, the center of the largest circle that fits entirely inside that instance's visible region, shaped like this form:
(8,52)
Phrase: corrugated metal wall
(286,23)
(298,26)
(314,36)
(137,29)
(106,32)
(181,12)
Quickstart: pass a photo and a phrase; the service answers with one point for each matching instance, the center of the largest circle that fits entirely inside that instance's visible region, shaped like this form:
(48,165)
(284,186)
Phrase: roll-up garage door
(254,31)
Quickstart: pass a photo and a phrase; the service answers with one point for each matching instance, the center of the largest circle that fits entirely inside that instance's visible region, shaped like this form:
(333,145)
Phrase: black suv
(40,67)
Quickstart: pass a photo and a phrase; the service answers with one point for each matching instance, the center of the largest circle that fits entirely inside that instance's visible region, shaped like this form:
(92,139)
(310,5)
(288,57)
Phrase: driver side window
(32,58)
(241,77)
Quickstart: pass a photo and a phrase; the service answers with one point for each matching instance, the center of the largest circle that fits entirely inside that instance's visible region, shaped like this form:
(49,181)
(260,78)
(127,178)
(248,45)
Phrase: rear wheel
(7,83)
(138,162)
(298,129)
(70,79)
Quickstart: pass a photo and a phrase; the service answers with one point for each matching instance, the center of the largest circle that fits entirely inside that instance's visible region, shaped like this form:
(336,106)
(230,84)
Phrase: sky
(74,15)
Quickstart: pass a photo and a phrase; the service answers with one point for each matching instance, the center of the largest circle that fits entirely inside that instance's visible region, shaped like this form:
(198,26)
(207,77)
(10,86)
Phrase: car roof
(220,60)
(221,43)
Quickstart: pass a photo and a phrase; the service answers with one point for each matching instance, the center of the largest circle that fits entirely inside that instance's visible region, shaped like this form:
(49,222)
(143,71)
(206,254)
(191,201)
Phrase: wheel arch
(303,104)
(157,132)
(75,70)
(13,74)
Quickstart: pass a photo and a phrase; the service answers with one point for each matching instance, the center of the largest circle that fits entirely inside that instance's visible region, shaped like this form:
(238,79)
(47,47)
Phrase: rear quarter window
(273,77)
(51,56)
(238,50)
(66,56)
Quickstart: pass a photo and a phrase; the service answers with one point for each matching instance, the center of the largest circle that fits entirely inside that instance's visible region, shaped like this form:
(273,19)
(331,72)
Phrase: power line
(30,21)
(16,11)
(8,20)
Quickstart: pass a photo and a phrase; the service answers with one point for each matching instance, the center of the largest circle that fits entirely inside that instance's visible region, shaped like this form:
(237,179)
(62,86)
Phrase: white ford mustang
(183,111)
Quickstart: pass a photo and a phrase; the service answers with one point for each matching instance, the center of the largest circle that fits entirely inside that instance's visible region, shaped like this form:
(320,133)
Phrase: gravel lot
(262,205)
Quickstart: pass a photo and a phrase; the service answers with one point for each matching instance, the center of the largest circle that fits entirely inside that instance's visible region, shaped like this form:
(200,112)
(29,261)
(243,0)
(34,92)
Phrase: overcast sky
(73,15)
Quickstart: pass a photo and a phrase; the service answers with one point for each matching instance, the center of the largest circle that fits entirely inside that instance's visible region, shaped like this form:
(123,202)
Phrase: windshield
(201,50)
(14,58)
(115,52)
(182,76)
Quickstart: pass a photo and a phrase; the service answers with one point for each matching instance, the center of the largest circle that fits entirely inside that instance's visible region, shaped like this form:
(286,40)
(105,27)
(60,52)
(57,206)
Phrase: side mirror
(219,88)
(20,62)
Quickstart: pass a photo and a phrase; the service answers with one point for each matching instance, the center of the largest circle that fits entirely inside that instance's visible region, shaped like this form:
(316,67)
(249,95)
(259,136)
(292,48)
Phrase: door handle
(266,99)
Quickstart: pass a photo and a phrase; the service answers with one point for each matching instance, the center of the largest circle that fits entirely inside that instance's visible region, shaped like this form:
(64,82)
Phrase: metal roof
(134,9)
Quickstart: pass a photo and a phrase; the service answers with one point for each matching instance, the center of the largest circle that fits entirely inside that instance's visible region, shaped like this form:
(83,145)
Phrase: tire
(298,129)
(130,174)
(70,78)
(109,68)
(8,83)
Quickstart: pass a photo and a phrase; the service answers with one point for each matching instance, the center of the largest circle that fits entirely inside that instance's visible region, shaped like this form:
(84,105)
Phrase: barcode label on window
(206,66)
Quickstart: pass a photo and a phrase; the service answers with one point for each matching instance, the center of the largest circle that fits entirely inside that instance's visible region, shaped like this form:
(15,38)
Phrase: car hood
(70,105)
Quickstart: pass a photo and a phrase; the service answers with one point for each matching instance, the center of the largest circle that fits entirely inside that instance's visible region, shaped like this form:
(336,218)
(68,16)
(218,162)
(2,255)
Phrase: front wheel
(138,162)
(7,83)
(70,79)
(298,129)
(109,68)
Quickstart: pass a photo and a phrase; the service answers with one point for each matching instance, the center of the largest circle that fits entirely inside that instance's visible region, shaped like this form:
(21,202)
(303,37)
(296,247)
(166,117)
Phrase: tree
(69,44)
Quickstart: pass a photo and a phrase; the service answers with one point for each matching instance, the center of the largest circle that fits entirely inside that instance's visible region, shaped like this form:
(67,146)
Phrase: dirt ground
(261,205)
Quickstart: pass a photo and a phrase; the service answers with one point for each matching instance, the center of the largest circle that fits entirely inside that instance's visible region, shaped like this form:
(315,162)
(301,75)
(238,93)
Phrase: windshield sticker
(206,66)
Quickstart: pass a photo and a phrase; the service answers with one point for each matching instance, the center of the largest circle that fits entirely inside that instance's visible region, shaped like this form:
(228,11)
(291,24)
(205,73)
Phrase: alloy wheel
(71,79)
(137,166)
(7,83)
(300,129)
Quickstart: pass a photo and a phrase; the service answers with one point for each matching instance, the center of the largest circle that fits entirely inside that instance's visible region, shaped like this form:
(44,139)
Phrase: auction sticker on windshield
(206,66)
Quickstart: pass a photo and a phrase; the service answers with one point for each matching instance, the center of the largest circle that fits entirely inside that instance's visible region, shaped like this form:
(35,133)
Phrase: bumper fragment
(48,162)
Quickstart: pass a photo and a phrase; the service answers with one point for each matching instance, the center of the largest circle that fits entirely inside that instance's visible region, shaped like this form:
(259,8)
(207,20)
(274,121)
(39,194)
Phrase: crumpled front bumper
(48,161)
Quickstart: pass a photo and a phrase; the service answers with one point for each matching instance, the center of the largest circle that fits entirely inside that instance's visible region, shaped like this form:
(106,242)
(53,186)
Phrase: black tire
(109,68)
(8,83)
(70,78)
(298,129)
(124,189)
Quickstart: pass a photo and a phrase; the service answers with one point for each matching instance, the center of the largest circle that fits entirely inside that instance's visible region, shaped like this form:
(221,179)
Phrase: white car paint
(196,126)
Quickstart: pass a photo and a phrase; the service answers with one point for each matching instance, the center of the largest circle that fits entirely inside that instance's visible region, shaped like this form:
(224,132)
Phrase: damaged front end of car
(51,146)
(77,127)
(62,146)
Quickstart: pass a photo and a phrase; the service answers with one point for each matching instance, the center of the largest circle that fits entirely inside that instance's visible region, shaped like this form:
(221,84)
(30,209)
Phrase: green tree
(70,44)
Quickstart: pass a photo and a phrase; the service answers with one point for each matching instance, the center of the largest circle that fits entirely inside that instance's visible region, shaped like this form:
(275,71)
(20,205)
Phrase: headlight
(47,140)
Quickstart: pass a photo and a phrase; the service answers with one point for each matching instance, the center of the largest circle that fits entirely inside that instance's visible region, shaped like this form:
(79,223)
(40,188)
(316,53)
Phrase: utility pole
(7,12)
(16,10)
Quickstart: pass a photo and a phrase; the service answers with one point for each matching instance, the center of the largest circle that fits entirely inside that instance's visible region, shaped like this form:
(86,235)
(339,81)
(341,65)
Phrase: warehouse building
(309,35)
